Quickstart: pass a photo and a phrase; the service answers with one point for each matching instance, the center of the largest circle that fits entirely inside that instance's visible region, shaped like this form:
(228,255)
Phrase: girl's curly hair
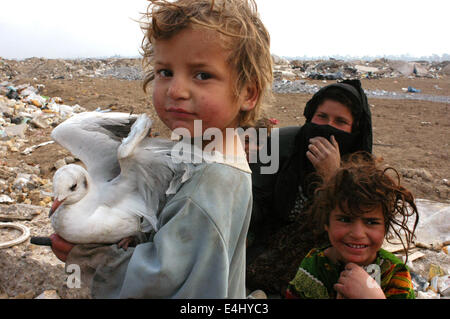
(242,34)
(360,186)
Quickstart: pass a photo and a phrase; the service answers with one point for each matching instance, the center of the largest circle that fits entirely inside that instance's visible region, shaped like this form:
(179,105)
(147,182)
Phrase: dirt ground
(410,135)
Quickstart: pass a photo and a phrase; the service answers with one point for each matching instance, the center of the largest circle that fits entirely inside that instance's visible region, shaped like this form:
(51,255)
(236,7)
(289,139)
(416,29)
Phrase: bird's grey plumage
(129,179)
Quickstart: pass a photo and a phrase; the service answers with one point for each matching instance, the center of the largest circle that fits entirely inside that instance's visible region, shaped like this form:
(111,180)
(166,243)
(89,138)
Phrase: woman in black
(338,122)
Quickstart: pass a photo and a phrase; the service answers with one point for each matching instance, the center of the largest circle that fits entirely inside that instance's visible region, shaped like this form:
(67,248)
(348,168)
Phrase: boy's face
(194,82)
(356,239)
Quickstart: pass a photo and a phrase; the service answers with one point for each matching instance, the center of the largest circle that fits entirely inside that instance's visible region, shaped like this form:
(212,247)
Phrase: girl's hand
(60,247)
(356,283)
(324,156)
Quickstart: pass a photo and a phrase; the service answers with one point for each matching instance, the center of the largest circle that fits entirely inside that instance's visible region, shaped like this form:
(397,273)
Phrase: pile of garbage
(23,109)
(127,69)
(302,86)
(333,69)
(131,68)
(428,258)
(28,271)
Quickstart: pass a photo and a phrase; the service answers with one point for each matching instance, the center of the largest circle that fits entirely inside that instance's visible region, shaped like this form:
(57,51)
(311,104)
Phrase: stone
(5,199)
(48,294)
(60,163)
(443,192)
(69,160)
(364,69)
(16,130)
(426,175)
(40,122)
(27,295)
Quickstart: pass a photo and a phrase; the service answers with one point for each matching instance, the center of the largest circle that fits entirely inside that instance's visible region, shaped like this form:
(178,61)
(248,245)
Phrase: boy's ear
(250,93)
(325,227)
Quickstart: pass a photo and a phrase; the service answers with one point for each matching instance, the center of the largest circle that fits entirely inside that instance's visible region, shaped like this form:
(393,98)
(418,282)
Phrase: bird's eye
(73,187)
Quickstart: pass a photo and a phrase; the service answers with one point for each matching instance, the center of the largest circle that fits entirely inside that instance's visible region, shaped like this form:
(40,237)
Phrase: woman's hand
(60,247)
(324,156)
(356,283)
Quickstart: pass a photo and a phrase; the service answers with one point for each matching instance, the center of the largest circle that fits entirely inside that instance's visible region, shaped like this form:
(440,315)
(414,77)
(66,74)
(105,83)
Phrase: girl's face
(193,81)
(334,114)
(356,239)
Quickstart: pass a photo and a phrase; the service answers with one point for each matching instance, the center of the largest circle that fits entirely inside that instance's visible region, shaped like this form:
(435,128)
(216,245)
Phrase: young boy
(208,61)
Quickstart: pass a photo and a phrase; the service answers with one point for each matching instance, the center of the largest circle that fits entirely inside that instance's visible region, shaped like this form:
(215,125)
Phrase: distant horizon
(402,57)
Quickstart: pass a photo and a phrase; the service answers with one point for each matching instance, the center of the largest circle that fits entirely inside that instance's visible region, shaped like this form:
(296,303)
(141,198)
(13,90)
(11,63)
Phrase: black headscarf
(297,170)
(360,110)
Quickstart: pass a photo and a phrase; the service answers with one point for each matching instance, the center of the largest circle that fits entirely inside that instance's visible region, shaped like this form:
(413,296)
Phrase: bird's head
(70,185)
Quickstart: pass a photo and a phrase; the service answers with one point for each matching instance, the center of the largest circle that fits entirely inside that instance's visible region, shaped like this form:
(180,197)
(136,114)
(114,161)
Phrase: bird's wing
(94,137)
(159,176)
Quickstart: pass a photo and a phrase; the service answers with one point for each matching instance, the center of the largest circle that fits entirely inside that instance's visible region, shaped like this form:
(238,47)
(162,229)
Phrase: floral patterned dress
(317,275)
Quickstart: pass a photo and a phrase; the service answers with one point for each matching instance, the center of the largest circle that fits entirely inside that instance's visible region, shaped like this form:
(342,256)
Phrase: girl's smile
(355,239)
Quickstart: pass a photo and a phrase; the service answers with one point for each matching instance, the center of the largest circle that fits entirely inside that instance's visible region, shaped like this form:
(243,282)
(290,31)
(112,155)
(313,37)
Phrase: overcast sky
(94,28)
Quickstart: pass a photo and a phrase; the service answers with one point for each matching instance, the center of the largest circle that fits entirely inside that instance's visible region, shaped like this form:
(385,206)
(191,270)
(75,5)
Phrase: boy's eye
(203,76)
(164,73)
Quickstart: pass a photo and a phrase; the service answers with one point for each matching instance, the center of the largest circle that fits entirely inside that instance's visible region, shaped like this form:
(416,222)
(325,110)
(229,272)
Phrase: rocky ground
(411,133)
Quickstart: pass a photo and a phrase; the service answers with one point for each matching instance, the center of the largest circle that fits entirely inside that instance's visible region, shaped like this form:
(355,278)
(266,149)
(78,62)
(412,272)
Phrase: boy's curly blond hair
(242,32)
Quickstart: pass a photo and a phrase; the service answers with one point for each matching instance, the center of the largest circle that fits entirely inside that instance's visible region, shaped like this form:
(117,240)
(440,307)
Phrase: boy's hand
(60,247)
(356,283)
(324,155)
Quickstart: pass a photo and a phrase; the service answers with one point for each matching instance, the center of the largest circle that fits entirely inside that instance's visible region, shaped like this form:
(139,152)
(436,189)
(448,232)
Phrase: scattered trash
(443,285)
(419,283)
(23,237)
(413,90)
(435,271)
(30,149)
(433,229)
(274,121)
(429,294)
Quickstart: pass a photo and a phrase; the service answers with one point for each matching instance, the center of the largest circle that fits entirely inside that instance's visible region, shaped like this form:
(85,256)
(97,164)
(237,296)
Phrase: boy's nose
(178,89)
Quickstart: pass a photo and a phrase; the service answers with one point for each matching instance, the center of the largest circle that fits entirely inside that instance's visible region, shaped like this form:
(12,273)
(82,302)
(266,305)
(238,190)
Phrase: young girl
(208,61)
(357,208)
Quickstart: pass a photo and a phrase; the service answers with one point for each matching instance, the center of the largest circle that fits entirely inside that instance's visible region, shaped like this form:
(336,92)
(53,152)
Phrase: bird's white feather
(127,179)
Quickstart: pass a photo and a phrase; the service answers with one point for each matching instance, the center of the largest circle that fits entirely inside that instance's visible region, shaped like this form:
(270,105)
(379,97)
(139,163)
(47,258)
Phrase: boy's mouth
(178,110)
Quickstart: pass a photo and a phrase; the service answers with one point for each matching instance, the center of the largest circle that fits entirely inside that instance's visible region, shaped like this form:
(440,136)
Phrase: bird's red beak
(55,205)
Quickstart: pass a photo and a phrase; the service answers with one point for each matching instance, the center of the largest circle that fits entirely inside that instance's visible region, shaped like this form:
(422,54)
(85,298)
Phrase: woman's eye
(344,122)
(203,76)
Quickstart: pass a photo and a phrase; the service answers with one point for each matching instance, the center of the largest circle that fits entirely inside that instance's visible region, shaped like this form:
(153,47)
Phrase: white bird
(126,182)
